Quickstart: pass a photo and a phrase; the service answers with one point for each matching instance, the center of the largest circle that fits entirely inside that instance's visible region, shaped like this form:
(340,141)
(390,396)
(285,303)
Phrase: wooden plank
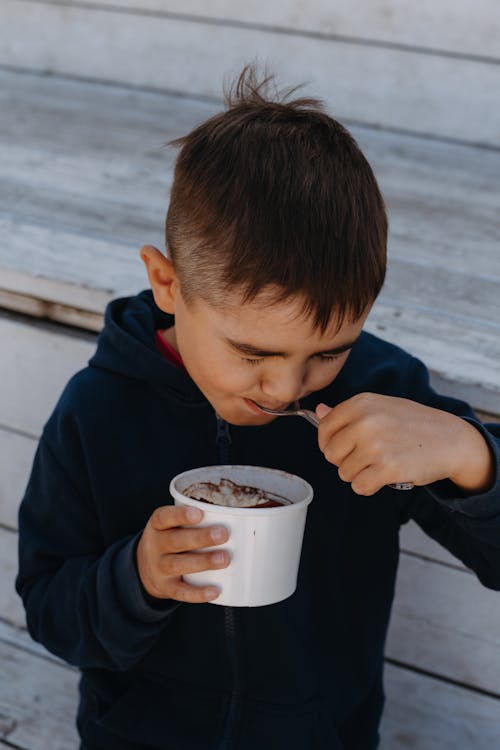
(444,622)
(88,196)
(37,361)
(486,418)
(50,125)
(454,352)
(11,608)
(416,542)
(16,457)
(38,701)
(36,307)
(466,27)
(424,181)
(19,637)
(451,245)
(382,86)
(426,714)
(442,200)
(84,288)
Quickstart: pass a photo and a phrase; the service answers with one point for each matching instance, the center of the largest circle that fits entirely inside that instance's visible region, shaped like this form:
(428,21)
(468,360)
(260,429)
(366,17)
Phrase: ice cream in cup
(264,511)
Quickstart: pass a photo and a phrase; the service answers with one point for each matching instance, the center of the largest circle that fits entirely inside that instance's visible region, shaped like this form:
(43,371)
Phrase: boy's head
(273,203)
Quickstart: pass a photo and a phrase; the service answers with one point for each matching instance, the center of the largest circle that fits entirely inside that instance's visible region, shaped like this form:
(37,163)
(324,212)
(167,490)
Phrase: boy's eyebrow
(255,351)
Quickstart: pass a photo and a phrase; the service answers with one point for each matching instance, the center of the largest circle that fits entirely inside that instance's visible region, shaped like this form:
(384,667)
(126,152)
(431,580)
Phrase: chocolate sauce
(230,494)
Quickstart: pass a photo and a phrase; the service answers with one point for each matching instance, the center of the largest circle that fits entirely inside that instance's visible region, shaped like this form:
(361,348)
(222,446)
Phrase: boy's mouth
(258,408)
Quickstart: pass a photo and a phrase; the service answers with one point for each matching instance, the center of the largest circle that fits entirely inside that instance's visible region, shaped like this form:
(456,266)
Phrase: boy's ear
(162,278)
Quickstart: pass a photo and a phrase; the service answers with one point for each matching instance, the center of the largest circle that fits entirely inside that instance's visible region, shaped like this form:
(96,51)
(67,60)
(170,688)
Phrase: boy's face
(239,353)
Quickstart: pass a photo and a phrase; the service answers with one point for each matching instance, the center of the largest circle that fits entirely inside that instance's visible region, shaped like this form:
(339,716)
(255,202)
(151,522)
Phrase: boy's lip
(255,406)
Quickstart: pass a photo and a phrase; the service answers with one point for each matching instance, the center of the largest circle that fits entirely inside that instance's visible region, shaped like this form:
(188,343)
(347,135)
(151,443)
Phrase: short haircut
(274,196)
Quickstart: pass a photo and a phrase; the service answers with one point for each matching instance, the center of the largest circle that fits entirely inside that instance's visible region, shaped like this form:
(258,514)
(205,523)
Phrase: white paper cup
(264,543)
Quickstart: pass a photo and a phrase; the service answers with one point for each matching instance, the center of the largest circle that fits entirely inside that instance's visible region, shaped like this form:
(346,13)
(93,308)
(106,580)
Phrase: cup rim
(228,510)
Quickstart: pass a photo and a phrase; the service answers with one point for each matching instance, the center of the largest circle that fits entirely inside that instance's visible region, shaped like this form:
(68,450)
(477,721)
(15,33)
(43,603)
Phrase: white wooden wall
(427,66)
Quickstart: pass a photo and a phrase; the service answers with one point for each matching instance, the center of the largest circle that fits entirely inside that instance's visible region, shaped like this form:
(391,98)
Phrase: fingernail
(218,533)
(219,558)
(211,592)
(193,514)
(322,410)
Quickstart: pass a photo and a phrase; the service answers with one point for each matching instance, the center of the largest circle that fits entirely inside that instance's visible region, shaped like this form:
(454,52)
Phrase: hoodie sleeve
(467,525)
(83,599)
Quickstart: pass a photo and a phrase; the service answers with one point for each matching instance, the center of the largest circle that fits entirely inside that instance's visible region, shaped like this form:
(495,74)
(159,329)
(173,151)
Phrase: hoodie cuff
(133,596)
(483,506)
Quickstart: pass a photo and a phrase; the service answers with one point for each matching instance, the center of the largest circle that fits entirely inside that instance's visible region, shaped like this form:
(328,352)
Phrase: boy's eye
(321,357)
(330,357)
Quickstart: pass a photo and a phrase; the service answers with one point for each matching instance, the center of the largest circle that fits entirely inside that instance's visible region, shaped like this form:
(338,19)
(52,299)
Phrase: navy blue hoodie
(303,674)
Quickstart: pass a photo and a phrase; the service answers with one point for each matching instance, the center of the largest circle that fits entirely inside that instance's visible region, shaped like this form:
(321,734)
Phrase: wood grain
(20,638)
(423,713)
(379,85)
(37,362)
(16,457)
(445,622)
(464,27)
(87,202)
(415,541)
(37,701)
(11,608)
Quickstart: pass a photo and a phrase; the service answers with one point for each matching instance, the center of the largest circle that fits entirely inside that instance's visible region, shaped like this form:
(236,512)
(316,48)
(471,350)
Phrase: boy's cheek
(215,375)
(322,379)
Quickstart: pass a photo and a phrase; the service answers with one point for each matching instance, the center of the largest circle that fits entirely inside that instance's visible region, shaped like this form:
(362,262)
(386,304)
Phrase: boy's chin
(244,418)
(251,421)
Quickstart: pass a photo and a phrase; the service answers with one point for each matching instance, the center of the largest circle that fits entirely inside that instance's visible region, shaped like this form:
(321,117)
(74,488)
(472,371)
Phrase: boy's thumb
(322,410)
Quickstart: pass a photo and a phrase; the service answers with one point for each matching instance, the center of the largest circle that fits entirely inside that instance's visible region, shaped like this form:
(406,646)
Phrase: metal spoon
(311,417)
(296,411)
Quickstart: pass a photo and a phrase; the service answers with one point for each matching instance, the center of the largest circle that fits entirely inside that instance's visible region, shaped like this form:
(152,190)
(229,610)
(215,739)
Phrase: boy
(276,238)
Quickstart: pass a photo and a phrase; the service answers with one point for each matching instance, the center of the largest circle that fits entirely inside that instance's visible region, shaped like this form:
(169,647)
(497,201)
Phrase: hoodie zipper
(224,441)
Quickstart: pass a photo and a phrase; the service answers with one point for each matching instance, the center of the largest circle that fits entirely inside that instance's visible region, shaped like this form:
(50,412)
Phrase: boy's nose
(283,388)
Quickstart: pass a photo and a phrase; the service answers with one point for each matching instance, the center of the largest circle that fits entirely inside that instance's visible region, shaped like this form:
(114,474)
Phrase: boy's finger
(184,592)
(333,419)
(193,562)
(350,411)
(322,410)
(186,540)
(339,445)
(352,466)
(368,481)
(170,516)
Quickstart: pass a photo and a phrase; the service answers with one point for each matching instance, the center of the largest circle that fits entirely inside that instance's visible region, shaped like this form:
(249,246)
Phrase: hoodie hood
(126,346)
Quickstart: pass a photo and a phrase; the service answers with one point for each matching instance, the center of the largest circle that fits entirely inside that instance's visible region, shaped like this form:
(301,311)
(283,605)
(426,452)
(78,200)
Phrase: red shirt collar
(168,351)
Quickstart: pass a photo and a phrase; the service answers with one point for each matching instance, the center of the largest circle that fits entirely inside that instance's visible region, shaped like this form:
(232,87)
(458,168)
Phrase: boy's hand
(166,552)
(378,440)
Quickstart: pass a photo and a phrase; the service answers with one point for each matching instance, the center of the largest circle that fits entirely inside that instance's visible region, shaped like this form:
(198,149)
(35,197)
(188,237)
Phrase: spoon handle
(309,415)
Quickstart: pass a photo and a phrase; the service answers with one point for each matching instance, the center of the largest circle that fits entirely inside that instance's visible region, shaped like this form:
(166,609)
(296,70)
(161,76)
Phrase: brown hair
(274,195)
